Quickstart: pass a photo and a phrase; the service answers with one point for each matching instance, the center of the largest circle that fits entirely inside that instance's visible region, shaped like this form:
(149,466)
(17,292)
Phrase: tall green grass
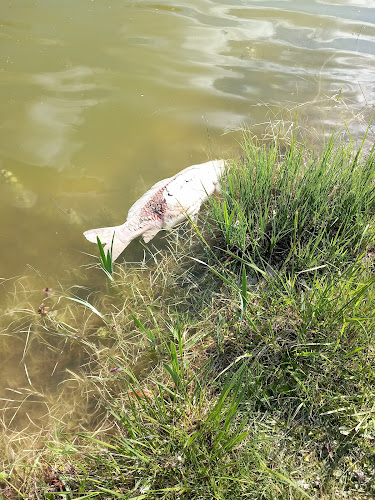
(106,262)
(292,209)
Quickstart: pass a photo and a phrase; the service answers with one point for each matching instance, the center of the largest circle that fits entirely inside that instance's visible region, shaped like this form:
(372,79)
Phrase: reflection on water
(48,122)
(100,100)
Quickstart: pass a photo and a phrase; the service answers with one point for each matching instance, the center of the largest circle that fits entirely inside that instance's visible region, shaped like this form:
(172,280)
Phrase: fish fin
(105,234)
(117,248)
(148,235)
(121,236)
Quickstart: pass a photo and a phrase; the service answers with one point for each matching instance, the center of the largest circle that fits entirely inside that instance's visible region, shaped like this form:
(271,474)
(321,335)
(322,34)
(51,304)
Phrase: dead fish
(163,206)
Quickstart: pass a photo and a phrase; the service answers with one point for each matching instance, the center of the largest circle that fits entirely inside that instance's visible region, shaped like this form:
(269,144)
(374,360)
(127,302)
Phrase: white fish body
(163,206)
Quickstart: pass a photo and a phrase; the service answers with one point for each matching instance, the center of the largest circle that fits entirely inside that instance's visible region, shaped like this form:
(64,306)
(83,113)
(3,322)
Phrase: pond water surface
(99,100)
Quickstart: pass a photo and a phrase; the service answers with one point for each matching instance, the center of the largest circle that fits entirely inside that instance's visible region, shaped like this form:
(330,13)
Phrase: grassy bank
(241,365)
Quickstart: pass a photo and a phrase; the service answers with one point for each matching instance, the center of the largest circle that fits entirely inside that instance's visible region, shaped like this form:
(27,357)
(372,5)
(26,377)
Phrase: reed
(106,262)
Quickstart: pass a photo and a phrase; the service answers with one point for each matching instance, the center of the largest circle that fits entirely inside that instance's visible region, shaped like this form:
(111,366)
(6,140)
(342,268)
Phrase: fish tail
(105,234)
(117,248)
(120,235)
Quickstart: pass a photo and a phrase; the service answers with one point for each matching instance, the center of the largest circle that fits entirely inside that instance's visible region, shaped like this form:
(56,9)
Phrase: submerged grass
(246,371)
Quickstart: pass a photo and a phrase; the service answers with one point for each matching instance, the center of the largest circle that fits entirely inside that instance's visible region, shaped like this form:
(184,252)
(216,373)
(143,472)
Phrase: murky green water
(100,99)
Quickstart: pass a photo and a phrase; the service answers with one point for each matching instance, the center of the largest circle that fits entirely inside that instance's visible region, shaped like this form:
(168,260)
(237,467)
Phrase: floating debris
(145,393)
(43,309)
(116,369)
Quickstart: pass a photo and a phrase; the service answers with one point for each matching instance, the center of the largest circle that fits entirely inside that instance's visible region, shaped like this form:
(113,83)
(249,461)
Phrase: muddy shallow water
(98,101)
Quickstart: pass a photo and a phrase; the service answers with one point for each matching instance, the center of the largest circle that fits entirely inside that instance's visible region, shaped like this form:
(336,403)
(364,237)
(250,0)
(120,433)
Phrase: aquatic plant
(106,261)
